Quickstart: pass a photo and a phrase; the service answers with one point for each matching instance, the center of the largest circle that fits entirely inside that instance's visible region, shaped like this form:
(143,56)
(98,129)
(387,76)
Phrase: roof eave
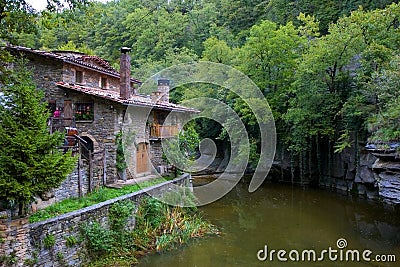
(126,102)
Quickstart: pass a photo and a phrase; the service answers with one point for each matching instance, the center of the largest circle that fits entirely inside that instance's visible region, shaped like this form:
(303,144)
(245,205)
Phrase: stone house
(93,97)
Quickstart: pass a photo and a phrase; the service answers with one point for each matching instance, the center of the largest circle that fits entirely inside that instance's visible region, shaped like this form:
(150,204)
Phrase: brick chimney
(125,73)
(163,89)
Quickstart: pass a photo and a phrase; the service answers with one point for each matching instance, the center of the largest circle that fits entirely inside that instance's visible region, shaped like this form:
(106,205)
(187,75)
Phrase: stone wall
(156,153)
(102,131)
(46,73)
(68,188)
(14,240)
(30,242)
(135,127)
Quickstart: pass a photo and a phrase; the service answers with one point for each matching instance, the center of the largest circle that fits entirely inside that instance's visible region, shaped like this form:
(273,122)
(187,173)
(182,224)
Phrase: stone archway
(91,142)
(87,146)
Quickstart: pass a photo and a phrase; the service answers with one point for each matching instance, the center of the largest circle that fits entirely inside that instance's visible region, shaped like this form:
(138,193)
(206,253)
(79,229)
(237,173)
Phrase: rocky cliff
(386,170)
(371,171)
(377,175)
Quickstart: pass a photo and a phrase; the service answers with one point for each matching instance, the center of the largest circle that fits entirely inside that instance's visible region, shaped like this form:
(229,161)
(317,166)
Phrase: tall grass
(159,227)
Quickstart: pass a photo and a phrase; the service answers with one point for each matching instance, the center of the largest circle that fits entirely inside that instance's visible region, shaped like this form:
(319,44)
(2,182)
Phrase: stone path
(121,183)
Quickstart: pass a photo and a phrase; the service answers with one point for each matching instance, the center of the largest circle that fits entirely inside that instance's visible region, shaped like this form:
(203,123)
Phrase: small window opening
(103,83)
(84,112)
(78,76)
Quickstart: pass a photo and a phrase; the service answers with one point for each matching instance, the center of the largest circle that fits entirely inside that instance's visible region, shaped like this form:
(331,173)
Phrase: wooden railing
(162,131)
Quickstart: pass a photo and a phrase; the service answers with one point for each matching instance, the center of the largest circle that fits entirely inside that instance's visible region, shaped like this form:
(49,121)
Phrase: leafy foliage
(157,227)
(30,161)
(98,239)
(18,16)
(327,68)
(181,150)
(120,161)
(49,241)
(119,213)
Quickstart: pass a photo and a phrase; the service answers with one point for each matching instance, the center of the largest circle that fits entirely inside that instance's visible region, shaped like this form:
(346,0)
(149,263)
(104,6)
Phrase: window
(78,76)
(103,83)
(84,112)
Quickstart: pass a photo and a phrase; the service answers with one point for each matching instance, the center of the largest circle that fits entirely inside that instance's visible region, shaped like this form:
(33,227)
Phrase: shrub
(119,214)
(49,241)
(98,240)
(70,241)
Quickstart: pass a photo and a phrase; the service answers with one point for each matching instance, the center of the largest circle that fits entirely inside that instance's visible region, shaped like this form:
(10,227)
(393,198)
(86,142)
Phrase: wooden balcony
(162,131)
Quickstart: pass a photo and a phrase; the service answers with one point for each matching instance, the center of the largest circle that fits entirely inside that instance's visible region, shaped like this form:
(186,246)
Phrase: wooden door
(68,114)
(142,158)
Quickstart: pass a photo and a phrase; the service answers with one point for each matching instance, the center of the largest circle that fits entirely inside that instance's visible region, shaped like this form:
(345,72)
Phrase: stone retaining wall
(49,243)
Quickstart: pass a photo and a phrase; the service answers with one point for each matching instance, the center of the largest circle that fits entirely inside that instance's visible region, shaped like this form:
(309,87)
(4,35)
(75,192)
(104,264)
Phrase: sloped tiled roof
(89,62)
(134,100)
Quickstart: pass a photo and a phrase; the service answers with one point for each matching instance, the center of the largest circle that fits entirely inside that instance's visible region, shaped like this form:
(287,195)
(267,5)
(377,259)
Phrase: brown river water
(340,229)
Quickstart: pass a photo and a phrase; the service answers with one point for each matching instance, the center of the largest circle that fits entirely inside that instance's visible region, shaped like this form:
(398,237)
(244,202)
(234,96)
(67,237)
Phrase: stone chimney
(125,74)
(163,89)
(155,97)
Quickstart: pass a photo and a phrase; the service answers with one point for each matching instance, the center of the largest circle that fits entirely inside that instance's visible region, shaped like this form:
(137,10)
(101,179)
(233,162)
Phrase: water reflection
(285,217)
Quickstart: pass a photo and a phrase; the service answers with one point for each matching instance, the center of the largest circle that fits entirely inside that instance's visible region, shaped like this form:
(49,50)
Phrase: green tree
(71,46)
(270,58)
(217,51)
(30,163)
(182,150)
(375,80)
(325,11)
(384,125)
(19,16)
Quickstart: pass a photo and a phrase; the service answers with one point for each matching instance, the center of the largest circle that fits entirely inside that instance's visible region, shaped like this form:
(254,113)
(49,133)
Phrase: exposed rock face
(387,172)
(375,174)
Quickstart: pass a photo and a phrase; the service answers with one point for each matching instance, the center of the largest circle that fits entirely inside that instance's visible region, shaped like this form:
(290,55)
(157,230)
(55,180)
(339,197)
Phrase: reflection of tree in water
(242,211)
(310,218)
(374,221)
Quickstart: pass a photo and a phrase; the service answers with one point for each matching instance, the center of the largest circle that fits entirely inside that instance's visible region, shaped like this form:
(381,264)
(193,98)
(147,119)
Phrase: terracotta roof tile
(85,61)
(135,100)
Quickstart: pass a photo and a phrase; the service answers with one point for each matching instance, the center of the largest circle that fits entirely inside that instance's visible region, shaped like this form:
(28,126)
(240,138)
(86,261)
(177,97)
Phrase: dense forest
(330,70)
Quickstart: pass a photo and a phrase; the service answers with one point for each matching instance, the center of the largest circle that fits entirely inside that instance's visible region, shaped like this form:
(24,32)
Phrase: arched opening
(88,147)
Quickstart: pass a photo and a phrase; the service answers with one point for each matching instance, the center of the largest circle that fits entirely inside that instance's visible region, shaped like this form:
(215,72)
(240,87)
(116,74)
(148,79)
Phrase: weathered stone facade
(90,78)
